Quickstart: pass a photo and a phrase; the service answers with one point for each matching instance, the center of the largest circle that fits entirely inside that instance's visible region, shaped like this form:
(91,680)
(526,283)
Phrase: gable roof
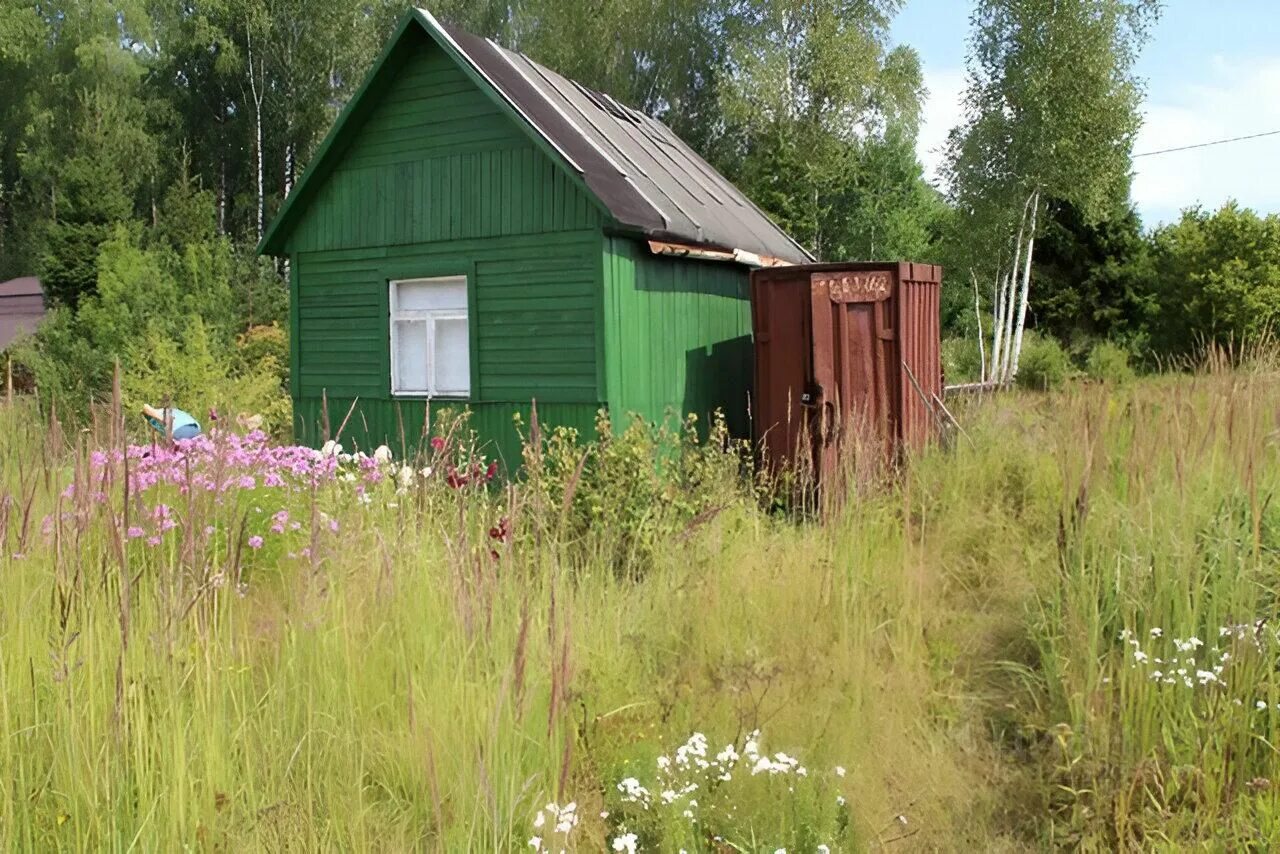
(641,173)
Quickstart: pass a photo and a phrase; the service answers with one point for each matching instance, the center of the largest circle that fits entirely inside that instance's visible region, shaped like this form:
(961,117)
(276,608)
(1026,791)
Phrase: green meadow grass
(951,639)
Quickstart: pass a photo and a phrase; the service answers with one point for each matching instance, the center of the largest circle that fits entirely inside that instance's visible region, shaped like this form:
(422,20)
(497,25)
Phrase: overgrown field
(1058,632)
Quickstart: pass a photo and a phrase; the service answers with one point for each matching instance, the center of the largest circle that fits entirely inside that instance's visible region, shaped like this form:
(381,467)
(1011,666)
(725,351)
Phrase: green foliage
(1094,280)
(1217,278)
(1109,363)
(629,490)
(961,360)
(1045,363)
(191,371)
(160,309)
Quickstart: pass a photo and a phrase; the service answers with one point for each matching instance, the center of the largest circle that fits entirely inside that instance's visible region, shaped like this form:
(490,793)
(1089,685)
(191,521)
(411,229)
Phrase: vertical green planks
(677,335)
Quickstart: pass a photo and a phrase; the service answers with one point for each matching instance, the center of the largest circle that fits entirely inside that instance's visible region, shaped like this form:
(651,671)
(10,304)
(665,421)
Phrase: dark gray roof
(25,286)
(641,171)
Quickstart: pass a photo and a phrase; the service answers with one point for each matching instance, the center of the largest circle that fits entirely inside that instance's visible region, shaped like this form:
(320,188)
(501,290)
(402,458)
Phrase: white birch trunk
(1010,305)
(258,94)
(982,344)
(997,325)
(1026,286)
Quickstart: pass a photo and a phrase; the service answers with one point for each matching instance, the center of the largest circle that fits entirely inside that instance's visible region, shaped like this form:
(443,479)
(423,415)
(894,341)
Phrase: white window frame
(429,317)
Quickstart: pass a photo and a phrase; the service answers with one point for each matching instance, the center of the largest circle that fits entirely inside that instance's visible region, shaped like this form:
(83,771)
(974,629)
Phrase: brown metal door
(781,325)
(854,347)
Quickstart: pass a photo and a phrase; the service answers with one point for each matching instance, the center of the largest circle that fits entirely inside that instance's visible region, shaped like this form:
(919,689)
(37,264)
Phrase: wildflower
(1157,632)
(1139,656)
(437,443)
(664,762)
(153,541)
(539,820)
(840,772)
(840,800)
(536,842)
(1261,705)
(626,842)
(823,849)
(134,532)
(255,542)
(382,455)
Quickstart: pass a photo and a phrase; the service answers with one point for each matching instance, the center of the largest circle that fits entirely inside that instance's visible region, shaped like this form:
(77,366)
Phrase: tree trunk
(982,346)
(997,326)
(1026,286)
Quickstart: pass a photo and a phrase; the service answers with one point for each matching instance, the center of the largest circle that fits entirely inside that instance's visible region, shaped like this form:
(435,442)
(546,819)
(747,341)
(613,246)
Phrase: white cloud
(942,111)
(1235,98)
(1239,98)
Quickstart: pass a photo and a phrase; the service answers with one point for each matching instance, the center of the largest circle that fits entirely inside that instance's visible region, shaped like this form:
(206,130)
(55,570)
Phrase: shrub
(1108,362)
(1044,363)
(961,361)
(189,371)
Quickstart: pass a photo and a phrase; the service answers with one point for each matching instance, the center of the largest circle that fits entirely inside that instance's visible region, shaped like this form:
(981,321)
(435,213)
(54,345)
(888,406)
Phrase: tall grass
(453,659)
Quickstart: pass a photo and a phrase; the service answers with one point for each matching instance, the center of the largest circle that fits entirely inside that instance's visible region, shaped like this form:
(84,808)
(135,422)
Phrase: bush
(1109,363)
(1044,363)
(191,373)
(961,361)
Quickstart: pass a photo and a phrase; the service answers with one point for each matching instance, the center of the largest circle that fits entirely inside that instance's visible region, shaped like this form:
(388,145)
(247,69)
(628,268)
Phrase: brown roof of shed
(645,176)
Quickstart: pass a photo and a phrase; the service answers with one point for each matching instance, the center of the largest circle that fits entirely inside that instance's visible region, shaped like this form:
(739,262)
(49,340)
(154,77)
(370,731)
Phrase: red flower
(455,480)
(491,471)
(437,443)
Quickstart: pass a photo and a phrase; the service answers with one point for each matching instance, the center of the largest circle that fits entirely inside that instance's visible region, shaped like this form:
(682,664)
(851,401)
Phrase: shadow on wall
(720,377)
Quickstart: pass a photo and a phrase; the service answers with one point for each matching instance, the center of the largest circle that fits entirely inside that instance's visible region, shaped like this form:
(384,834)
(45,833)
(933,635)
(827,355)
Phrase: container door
(918,299)
(780,323)
(854,346)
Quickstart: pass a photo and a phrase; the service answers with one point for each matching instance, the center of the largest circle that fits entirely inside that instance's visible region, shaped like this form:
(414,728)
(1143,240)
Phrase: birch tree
(1050,111)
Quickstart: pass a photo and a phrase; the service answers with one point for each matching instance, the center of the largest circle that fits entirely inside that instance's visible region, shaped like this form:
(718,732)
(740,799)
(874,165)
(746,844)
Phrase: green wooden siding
(400,423)
(437,181)
(436,160)
(677,335)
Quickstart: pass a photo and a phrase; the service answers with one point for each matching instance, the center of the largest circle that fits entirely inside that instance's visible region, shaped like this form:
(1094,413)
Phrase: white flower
(406,476)
(626,842)
(840,800)
(1157,632)
(1139,656)
(536,843)
(668,796)
(664,762)
(822,849)
(540,819)
(840,772)
(330,449)
(382,455)
(1206,676)
(1261,704)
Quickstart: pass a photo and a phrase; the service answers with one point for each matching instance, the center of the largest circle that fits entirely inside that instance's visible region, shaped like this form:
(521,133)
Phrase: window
(430,339)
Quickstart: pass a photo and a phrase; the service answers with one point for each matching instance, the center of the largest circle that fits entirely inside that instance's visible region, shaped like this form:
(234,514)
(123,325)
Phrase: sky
(1211,70)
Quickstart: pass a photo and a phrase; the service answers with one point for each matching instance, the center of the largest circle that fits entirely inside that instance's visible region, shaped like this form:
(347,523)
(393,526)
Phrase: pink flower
(153,541)
(333,525)
(255,542)
(134,532)
(437,443)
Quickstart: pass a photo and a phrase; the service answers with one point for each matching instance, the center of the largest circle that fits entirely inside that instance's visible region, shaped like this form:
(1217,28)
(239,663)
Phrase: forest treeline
(144,146)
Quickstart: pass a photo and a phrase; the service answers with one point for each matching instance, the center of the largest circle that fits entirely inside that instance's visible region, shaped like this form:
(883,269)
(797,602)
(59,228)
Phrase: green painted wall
(436,181)
(677,335)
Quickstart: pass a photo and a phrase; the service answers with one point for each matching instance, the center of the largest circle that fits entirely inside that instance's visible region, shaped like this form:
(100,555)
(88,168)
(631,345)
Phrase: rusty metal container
(842,347)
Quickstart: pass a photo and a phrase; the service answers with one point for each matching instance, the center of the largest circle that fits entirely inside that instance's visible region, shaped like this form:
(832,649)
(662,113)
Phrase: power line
(1207,144)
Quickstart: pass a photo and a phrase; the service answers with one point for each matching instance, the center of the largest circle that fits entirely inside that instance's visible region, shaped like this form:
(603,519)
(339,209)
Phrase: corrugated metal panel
(677,336)
(635,165)
(843,347)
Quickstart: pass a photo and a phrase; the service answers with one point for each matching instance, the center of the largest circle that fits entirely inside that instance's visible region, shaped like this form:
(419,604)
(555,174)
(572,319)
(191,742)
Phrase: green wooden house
(477,231)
